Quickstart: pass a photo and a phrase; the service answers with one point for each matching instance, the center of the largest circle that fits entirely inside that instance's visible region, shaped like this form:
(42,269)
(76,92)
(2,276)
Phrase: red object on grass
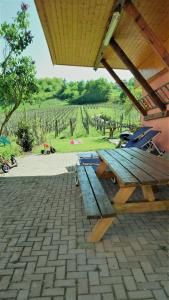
(46,145)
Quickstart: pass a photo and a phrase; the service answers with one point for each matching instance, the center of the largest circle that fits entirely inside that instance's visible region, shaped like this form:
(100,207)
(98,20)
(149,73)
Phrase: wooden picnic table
(132,168)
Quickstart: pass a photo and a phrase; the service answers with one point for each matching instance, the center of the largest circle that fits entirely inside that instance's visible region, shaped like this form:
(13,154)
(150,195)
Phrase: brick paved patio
(44,254)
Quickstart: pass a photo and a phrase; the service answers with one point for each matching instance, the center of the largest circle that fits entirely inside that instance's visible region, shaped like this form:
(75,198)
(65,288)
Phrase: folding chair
(87,159)
(146,142)
(136,135)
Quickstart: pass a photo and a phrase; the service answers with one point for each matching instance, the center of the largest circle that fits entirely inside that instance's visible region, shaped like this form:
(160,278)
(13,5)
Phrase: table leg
(148,192)
(99,229)
(101,169)
(123,194)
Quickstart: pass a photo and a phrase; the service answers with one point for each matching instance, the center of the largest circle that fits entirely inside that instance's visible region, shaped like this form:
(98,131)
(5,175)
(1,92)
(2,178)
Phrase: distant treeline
(84,92)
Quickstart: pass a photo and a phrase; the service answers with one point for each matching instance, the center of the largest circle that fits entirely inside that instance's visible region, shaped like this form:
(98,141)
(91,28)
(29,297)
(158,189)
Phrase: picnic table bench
(132,168)
(96,203)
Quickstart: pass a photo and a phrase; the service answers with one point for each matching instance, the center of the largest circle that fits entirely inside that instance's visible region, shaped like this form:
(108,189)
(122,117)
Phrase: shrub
(25,137)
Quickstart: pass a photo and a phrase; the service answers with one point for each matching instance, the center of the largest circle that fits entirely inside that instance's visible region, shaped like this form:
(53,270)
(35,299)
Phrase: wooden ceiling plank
(122,55)
(124,88)
(147,32)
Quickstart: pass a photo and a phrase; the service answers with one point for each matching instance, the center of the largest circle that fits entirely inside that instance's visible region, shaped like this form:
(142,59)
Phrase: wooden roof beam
(122,55)
(147,32)
(135,102)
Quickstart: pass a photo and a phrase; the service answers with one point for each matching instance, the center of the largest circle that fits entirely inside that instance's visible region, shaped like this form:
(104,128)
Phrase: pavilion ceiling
(75,29)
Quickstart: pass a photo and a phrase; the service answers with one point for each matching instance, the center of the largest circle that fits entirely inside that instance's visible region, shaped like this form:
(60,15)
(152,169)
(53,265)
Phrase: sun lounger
(136,135)
(146,142)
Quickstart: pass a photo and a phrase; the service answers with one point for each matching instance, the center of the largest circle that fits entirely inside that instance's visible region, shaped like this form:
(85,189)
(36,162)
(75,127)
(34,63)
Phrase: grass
(88,144)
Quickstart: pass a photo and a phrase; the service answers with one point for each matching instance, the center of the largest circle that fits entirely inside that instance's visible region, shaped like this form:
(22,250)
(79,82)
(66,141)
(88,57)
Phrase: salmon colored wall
(161,124)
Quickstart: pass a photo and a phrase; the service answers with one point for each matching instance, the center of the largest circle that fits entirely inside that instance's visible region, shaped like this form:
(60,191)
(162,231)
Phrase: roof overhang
(76,29)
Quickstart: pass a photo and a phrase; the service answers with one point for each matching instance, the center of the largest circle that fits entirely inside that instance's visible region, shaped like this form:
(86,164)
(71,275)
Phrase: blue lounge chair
(136,135)
(146,142)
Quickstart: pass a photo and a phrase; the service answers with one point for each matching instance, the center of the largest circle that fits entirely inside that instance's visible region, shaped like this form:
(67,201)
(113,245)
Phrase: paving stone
(18,274)
(129,283)
(4,282)
(147,268)
(138,275)
(42,270)
(83,286)
(53,292)
(70,293)
(160,295)
(94,278)
(8,294)
(101,289)
(165,284)
(35,290)
(89,297)
(149,285)
(23,295)
(119,291)
(65,283)
(108,297)
(140,295)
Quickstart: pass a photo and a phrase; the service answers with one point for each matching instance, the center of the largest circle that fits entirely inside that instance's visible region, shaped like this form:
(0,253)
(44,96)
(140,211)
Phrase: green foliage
(18,83)
(90,92)
(8,150)
(16,34)
(17,73)
(95,91)
(25,137)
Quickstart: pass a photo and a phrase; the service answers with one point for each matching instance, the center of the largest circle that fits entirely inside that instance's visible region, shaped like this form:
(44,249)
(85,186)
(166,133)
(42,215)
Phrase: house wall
(161,124)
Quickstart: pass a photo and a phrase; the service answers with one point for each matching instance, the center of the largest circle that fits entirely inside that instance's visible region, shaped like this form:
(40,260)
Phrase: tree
(17,72)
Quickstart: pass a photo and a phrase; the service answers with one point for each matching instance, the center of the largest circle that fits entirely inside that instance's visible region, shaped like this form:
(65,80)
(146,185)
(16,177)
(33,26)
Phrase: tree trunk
(7,117)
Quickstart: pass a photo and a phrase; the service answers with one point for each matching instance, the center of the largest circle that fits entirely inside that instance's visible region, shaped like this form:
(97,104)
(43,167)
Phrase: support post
(155,98)
(147,32)
(124,88)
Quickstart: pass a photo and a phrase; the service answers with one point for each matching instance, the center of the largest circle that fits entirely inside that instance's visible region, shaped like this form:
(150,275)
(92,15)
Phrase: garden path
(43,165)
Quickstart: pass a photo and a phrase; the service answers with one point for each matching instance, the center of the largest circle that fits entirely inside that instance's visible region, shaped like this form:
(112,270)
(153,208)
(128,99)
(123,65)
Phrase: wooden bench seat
(96,202)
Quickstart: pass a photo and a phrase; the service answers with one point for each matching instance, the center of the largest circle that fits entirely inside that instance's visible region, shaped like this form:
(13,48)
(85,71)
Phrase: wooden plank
(147,32)
(103,201)
(99,229)
(142,176)
(158,164)
(123,194)
(158,161)
(107,175)
(124,177)
(148,192)
(151,170)
(122,55)
(90,204)
(155,116)
(142,207)
(137,105)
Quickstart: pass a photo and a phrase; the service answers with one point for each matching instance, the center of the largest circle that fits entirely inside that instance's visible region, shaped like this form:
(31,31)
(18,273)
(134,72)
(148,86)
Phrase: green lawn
(88,144)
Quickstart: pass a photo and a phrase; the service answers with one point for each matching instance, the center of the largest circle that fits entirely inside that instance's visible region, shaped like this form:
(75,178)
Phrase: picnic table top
(133,166)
